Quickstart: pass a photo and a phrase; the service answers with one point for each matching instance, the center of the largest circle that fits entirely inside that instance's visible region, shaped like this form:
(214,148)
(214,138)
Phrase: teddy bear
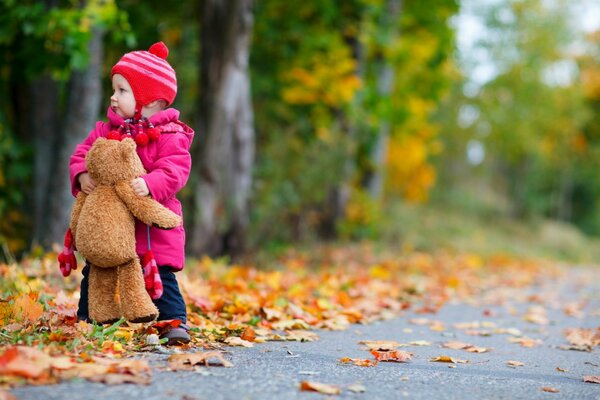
(103,230)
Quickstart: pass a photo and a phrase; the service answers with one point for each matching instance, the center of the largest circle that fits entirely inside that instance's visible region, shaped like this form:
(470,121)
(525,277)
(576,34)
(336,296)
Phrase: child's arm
(172,168)
(146,209)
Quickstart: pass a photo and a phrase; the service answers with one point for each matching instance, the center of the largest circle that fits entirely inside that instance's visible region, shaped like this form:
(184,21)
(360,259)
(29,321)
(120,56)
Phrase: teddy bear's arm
(147,210)
(77,206)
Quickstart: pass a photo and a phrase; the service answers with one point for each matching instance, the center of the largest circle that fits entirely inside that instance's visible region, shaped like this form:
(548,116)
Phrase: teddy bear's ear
(127,149)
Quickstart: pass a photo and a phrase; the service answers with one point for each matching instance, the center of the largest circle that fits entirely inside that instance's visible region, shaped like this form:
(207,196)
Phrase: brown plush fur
(103,225)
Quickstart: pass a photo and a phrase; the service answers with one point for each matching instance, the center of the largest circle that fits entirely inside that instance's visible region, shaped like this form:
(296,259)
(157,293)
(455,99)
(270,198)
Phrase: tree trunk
(85,97)
(376,180)
(55,141)
(44,130)
(224,151)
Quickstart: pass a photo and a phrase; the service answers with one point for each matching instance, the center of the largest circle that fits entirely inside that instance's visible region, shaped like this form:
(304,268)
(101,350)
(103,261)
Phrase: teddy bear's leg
(104,308)
(135,301)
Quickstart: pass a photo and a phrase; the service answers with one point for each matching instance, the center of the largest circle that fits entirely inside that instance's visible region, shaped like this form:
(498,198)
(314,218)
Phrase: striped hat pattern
(150,75)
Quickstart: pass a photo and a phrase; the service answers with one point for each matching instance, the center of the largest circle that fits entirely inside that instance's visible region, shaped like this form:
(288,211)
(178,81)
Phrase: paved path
(274,370)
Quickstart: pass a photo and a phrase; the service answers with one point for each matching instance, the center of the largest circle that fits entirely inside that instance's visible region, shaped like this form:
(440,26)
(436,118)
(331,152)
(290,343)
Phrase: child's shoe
(175,335)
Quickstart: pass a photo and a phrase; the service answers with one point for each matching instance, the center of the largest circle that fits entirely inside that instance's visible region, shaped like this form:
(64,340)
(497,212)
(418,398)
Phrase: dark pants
(170,305)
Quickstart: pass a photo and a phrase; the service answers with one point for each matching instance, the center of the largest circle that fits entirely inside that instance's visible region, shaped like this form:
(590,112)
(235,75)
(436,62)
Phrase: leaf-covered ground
(41,341)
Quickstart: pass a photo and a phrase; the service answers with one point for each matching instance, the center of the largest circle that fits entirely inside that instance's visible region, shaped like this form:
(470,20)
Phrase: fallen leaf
(238,341)
(515,364)
(382,345)
(455,345)
(27,362)
(550,389)
(536,315)
(392,355)
(27,308)
(361,362)
(447,359)
(185,361)
(357,388)
(118,379)
(290,324)
(591,378)
(301,336)
(319,387)
(583,337)
(249,334)
(420,343)
(561,369)
(525,341)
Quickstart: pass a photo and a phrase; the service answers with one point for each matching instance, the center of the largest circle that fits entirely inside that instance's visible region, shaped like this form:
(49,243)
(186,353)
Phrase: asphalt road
(274,370)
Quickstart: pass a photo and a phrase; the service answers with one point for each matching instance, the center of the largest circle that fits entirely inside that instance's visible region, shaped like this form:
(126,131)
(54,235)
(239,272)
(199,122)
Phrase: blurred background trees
(316,119)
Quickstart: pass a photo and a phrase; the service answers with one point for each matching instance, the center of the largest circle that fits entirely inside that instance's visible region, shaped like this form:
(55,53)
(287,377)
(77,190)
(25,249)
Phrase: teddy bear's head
(110,161)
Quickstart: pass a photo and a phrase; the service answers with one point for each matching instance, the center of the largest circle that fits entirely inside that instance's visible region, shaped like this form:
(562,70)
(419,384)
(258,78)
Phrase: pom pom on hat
(149,74)
(160,50)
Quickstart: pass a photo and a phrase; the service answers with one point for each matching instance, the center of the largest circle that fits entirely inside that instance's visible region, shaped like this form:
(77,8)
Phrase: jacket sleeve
(172,168)
(77,160)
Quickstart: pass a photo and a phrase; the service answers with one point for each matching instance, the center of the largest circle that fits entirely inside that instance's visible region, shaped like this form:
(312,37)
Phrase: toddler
(144,85)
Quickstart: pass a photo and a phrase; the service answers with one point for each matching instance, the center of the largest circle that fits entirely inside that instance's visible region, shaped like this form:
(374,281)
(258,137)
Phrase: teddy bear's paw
(167,221)
(143,319)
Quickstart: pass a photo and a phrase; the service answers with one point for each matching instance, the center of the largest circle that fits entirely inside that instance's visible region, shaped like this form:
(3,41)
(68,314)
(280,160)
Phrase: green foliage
(38,40)
(319,106)
(528,117)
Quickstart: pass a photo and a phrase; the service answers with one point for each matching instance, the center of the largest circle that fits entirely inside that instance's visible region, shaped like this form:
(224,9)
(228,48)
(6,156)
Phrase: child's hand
(87,183)
(139,187)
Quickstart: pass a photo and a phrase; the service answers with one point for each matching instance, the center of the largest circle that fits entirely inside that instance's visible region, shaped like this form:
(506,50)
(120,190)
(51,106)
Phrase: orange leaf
(392,355)
(361,362)
(248,334)
(319,387)
(27,362)
(27,308)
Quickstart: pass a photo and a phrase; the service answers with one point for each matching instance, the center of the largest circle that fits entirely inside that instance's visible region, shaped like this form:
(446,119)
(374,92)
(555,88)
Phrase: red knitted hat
(149,74)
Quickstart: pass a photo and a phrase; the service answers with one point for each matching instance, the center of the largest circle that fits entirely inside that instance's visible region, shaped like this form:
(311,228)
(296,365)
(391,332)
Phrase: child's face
(122,101)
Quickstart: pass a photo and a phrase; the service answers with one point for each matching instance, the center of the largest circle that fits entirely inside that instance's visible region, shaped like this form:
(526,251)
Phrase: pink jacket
(168,163)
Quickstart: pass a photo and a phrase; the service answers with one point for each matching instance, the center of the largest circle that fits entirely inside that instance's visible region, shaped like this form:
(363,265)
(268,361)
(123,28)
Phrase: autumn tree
(224,152)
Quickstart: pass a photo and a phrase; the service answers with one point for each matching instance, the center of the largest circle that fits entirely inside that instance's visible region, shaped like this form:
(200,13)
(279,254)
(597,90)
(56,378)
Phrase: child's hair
(149,74)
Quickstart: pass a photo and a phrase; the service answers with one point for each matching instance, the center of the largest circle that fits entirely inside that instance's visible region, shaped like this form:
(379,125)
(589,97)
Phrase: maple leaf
(392,355)
(27,308)
(319,387)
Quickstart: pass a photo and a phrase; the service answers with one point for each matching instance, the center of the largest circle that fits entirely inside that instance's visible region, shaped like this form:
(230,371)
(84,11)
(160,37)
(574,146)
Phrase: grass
(446,227)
